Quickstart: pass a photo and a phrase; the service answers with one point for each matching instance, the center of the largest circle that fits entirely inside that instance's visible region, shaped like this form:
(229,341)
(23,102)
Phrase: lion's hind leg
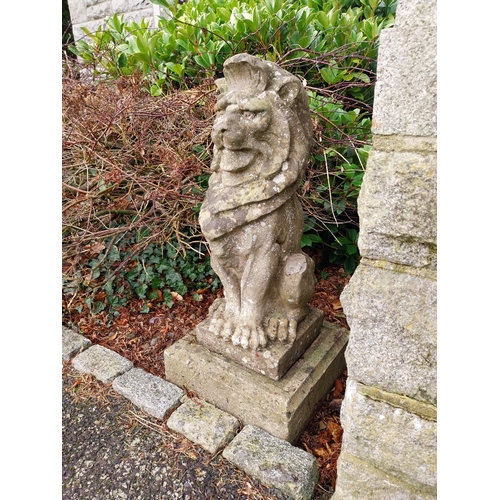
(256,293)
(296,289)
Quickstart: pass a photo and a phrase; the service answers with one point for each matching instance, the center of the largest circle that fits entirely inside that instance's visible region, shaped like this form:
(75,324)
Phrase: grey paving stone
(101,362)
(274,462)
(204,424)
(151,394)
(73,343)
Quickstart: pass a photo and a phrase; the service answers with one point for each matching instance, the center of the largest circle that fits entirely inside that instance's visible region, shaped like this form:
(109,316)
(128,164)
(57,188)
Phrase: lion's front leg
(259,274)
(225,316)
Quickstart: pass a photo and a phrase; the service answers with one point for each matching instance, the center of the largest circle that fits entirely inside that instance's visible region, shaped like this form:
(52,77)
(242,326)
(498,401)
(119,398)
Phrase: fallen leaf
(321,452)
(339,387)
(324,437)
(177,296)
(337,305)
(184,445)
(335,430)
(88,278)
(97,247)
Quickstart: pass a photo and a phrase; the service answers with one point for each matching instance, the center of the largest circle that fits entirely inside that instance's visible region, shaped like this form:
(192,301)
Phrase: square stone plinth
(283,407)
(273,361)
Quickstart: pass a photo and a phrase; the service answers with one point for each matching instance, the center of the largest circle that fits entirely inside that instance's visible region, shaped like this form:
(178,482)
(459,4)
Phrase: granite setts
(260,454)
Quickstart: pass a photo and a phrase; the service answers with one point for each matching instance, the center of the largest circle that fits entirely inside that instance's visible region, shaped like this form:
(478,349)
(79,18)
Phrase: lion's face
(240,122)
(251,138)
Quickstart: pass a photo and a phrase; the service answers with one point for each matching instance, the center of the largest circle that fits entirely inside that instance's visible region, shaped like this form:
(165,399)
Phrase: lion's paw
(249,336)
(285,330)
(227,330)
(220,326)
(217,320)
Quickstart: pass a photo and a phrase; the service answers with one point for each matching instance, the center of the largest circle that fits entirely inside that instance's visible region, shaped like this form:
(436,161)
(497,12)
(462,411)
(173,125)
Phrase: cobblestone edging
(272,461)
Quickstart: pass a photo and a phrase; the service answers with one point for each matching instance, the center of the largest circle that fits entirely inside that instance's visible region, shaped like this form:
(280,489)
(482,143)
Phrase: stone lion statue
(251,216)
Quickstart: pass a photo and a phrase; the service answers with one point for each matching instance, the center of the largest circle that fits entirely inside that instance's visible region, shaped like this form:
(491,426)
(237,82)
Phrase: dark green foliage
(154,273)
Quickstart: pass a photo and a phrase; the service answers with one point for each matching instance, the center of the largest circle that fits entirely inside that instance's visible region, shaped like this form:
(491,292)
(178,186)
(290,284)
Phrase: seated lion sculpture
(251,216)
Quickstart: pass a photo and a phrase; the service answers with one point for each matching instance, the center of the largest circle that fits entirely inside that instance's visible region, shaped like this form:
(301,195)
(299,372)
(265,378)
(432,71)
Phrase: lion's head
(262,136)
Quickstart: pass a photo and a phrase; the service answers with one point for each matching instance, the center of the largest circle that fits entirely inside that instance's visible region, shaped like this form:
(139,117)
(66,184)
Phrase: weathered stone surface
(425,410)
(398,208)
(406,448)
(251,215)
(362,481)
(204,424)
(406,91)
(78,11)
(389,441)
(139,15)
(151,394)
(73,343)
(139,4)
(274,360)
(393,335)
(405,143)
(274,462)
(99,11)
(104,364)
(416,15)
(91,14)
(282,408)
(121,6)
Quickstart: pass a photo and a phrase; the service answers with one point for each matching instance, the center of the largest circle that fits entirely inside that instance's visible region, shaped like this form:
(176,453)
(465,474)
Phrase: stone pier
(390,407)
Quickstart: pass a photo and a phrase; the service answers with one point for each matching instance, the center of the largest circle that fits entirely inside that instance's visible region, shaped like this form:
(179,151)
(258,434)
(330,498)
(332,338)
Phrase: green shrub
(331,45)
(195,38)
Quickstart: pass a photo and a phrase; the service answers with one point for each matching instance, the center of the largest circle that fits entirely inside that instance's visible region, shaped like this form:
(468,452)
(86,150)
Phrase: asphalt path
(111,450)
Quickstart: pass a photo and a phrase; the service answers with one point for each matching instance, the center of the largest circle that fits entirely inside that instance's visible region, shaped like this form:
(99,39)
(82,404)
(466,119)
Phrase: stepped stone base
(284,407)
(277,358)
